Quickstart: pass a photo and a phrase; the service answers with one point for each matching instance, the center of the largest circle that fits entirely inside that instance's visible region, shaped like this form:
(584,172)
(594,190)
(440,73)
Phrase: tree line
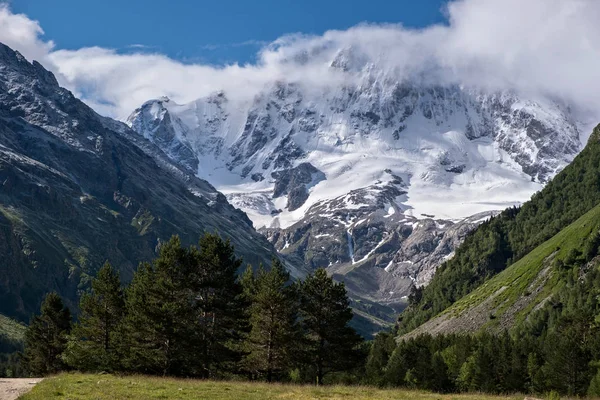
(188,314)
(556,349)
(10,365)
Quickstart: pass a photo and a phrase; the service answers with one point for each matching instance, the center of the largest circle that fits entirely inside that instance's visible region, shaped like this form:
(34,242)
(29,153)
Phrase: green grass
(143,222)
(11,329)
(517,278)
(98,387)
(11,214)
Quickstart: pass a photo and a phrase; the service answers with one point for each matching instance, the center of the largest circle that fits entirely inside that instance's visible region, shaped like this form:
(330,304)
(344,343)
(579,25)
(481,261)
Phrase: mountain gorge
(78,189)
(374,177)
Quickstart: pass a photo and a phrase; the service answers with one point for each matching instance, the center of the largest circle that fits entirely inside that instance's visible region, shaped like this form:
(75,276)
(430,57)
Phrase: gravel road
(10,389)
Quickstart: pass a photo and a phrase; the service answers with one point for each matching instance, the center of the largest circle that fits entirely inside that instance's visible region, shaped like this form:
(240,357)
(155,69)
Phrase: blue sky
(545,47)
(215,32)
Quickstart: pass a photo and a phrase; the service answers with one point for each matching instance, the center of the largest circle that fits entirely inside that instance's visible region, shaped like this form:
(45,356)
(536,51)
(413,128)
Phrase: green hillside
(10,329)
(532,328)
(507,299)
(510,236)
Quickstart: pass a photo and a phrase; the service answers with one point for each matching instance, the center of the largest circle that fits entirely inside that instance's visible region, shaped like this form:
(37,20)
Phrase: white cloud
(21,33)
(546,47)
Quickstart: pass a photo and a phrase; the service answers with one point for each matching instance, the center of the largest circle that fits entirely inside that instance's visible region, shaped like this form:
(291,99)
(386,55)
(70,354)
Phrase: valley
(398,200)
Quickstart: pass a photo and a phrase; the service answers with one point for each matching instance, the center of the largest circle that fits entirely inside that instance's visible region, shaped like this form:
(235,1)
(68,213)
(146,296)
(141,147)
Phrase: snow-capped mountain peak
(376,178)
(450,143)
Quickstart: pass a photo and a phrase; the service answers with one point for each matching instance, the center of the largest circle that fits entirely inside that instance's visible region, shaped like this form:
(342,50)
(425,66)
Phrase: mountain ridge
(79,189)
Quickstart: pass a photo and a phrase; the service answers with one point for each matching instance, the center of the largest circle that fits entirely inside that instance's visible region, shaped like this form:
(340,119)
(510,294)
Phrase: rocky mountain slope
(77,189)
(374,177)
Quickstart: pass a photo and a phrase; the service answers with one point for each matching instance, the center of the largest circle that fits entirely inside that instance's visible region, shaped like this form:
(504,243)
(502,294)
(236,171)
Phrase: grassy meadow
(76,386)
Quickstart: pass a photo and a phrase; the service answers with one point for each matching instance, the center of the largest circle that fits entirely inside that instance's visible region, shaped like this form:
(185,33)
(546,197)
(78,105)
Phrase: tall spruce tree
(274,334)
(331,345)
(161,327)
(93,341)
(46,337)
(221,304)
(567,358)
(381,350)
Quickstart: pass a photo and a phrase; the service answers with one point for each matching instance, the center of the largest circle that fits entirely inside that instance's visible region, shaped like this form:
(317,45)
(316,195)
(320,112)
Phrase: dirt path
(10,389)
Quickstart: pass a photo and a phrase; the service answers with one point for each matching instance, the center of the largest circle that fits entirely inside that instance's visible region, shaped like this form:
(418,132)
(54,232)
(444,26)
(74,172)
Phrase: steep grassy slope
(11,329)
(510,236)
(83,387)
(507,299)
(11,336)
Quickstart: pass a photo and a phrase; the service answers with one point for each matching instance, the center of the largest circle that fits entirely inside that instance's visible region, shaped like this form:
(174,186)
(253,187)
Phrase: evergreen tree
(161,326)
(273,318)
(46,337)
(247,281)
(93,341)
(479,372)
(535,374)
(186,312)
(381,350)
(397,367)
(222,306)
(331,345)
(439,380)
(594,388)
(567,362)
(455,354)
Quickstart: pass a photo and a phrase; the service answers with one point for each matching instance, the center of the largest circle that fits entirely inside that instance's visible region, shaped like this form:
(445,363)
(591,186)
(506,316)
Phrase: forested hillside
(534,327)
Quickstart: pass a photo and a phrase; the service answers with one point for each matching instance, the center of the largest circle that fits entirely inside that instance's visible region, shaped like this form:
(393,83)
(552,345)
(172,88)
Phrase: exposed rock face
(77,189)
(295,182)
(365,240)
(168,135)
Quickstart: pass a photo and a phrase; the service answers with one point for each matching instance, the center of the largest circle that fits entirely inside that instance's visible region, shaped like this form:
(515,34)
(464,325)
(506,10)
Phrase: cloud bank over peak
(542,47)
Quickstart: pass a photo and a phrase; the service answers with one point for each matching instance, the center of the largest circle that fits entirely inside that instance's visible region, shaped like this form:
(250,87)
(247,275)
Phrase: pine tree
(439,380)
(331,345)
(46,337)
(467,377)
(381,350)
(247,281)
(161,326)
(93,341)
(221,305)
(397,366)
(273,318)
(535,373)
(479,372)
(567,361)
